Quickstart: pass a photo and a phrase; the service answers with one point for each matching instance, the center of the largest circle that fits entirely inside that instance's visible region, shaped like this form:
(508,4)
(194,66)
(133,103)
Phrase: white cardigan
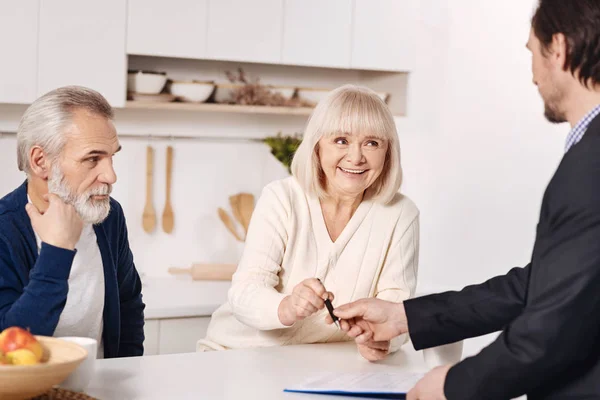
(375,255)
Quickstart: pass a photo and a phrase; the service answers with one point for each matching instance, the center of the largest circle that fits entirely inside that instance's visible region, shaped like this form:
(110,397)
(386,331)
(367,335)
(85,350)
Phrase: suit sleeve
(476,310)
(558,330)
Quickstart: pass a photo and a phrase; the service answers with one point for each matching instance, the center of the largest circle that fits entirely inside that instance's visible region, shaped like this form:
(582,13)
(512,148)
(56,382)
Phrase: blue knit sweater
(33,288)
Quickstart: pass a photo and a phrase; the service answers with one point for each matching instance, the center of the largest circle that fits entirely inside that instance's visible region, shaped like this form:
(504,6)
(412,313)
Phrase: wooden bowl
(25,381)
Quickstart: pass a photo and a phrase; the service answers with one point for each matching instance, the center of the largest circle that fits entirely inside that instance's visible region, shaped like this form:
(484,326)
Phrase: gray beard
(90,211)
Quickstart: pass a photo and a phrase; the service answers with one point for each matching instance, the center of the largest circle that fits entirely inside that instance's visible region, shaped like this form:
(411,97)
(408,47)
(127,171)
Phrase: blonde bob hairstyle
(350,110)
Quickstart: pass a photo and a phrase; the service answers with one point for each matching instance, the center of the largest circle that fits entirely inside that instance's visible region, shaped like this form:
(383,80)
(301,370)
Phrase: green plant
(283,147)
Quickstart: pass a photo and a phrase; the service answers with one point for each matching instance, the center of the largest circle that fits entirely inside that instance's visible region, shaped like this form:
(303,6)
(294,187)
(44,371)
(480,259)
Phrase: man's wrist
(402,319)
(54,261)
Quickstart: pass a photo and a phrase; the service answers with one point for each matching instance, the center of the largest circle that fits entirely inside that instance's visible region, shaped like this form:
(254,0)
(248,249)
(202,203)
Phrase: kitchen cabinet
(174,28)
(179,335)
(384,35)
(174,335)
(317,33)
(83,43)
(18,50)
(151,334)
(241,30)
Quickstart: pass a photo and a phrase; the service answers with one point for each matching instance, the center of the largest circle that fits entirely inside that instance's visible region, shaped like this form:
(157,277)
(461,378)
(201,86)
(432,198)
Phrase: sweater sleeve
(38,304)
(130,295)
(253,296)
(398,279)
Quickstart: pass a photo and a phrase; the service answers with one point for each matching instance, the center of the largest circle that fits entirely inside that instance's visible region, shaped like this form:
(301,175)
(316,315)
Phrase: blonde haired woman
(337,228)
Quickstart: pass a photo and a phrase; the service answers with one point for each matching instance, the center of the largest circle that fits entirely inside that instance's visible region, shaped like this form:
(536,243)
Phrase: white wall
(477,153)
(486,152)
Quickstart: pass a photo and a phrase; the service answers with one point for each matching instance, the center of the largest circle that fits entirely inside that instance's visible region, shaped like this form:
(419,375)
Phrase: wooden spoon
(229,223)
(149,216)
(234,202)
(168,220)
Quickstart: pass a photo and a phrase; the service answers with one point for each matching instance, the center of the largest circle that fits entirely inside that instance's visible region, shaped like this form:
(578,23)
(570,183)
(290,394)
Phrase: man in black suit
(548,311)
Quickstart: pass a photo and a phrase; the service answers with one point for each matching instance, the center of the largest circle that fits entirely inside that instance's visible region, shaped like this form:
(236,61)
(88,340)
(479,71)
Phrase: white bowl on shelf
(224,92)
(192,91)
(146,82)
(151,98)
(383,96)
(312,95)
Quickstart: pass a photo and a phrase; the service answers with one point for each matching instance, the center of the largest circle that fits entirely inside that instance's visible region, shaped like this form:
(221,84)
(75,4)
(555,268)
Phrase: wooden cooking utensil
(229,223)
(207,272)
(149,216)
(168,220)
(234,202)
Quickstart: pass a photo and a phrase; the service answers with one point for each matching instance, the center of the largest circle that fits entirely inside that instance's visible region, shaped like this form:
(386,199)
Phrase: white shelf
(221,108)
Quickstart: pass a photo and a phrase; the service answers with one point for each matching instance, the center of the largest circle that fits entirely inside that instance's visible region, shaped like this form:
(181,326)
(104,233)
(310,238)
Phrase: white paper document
(359,383)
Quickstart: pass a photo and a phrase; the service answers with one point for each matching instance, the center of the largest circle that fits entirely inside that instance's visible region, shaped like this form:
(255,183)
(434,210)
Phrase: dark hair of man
(579,22)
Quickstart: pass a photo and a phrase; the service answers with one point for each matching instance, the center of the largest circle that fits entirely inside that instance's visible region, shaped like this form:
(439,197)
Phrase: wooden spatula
(223,216)
(234,202)
(149,216)
(168,220)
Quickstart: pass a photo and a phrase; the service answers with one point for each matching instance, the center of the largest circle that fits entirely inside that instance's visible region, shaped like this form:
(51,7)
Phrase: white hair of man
(45,124)
(47,118)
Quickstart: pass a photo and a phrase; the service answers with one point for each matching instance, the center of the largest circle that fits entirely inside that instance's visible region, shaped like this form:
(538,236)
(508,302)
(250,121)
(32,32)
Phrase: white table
(237,374)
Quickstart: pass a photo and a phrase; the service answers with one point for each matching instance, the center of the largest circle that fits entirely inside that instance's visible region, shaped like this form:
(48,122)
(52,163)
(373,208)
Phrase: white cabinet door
(317,33)
(179,335)
(83,43)
(18,50)
(242,30)
(151,333)
(174,28)
(383,34)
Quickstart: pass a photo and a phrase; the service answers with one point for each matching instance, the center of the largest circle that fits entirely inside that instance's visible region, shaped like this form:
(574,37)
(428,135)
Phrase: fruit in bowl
(20,347)
(3,359)
(24,374)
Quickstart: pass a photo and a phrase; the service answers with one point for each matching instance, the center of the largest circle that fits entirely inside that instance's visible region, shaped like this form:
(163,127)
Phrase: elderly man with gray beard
(66,268)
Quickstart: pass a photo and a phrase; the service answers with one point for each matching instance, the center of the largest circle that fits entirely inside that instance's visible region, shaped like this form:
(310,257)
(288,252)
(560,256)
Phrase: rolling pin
(207,272)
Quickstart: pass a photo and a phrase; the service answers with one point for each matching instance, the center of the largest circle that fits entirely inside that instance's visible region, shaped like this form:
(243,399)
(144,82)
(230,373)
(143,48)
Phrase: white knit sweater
(375,255)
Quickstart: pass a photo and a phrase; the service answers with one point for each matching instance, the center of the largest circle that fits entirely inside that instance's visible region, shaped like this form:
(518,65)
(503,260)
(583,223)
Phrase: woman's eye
(341,141)
(372,143)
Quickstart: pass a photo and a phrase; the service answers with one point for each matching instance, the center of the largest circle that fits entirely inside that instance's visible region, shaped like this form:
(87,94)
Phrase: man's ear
(559,49)
(39,162)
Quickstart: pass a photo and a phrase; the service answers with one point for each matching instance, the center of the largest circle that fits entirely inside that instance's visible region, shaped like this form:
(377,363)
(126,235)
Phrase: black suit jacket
(549,311)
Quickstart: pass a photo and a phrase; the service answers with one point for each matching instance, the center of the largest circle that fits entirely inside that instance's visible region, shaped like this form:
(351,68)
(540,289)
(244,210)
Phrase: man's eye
(92,159)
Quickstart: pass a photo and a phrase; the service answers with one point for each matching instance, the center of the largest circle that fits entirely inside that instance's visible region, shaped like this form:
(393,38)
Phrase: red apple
(15,338)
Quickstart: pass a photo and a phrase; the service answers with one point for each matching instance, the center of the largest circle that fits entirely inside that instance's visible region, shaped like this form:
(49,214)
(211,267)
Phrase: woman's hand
(374,351)
(306,299)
